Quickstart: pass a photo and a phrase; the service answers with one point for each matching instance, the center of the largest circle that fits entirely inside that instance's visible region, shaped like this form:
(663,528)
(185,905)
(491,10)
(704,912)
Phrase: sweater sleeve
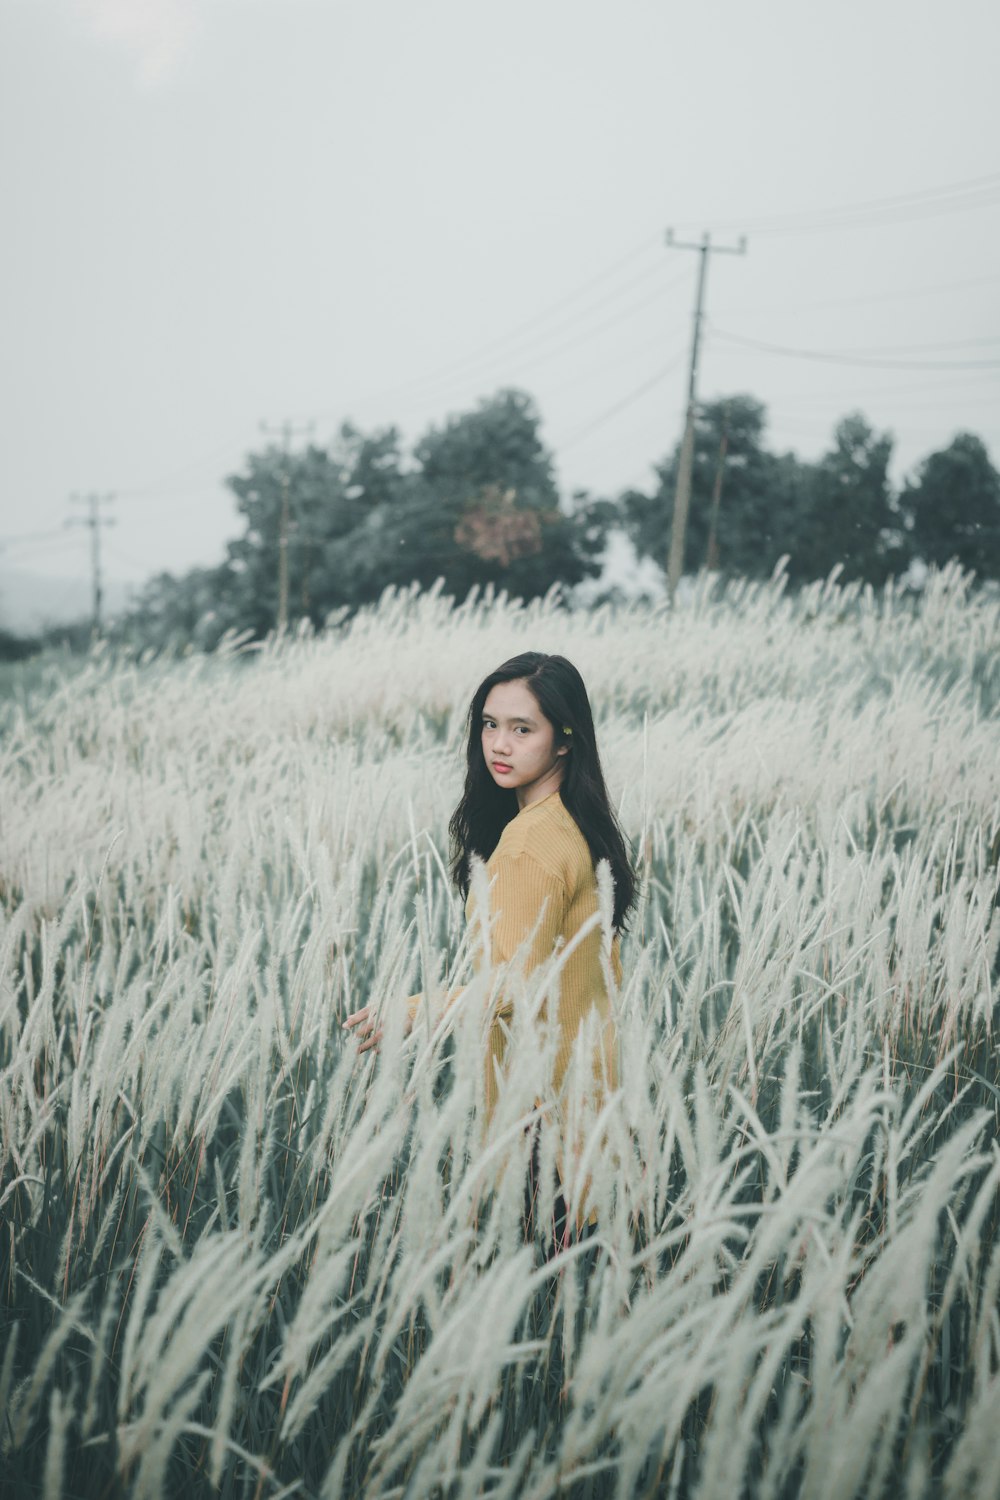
(527,902)
(414,1003)
(525,899)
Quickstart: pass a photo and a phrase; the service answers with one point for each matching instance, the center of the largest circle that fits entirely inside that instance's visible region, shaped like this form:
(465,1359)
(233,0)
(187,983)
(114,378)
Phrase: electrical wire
(529,327)
(149,490)
(534,333)
(872,298)
(603,417)
(529,338)
(946,383)
(917,213)
(840,357)
(912,432)
(458,374)
(484,365)
(156,491)
(641,248)
(55,544)
(976,343)
(898,395)
(899,208)
(585,335)
(29,536)
(135,562)
(586,372)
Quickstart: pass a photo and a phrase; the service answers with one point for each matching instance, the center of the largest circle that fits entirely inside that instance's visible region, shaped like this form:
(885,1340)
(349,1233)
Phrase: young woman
(535,809)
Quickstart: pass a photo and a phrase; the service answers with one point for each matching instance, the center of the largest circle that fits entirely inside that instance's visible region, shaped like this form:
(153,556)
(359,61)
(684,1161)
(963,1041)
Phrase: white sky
(222,211)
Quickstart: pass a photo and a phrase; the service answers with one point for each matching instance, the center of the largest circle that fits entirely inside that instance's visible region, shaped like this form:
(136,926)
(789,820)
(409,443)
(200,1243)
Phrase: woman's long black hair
(486,809)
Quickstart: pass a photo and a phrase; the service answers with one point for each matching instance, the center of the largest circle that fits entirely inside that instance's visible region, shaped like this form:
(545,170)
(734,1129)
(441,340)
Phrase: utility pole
(682,492)
(95,521)
(712,552)
(286,431)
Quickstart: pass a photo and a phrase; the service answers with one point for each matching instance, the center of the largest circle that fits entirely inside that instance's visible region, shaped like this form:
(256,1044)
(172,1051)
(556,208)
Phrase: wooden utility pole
(682,491)
(712,551)
(286,431)
(95,521)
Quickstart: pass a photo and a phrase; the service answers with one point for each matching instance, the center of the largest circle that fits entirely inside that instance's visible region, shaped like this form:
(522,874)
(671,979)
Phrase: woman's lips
(501,767)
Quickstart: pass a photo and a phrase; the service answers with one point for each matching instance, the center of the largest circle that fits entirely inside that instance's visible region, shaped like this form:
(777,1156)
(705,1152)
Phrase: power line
(524,338)
(804,422)
(149,489)
(154,490)
(198,494)
(899,208)
(55,542)
(890,218)
(567,301)
(913,407)
(869,298)
(529,338)
(975,343)
(833,356)
(135,562)
(529,326)
(480,366)
(950,384)
(27,536)
(585,373)
(531,341)
(585,335)
(580,433)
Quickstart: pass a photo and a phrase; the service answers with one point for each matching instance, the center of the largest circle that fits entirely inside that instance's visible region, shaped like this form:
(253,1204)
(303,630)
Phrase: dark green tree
(952,507)
(318,508)
(340,503)
(847,514)
(477,504)
(481,506)
(745,502)
(750,500)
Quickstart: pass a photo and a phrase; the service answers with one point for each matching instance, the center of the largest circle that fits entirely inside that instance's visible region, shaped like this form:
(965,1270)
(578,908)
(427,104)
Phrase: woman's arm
(527,913)
(526,901)
(365,1020)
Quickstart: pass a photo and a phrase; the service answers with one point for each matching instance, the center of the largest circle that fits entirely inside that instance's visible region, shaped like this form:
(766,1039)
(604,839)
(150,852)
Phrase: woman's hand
(365,1022)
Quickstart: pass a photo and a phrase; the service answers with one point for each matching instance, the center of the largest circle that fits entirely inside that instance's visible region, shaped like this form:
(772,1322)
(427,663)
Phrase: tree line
(476,502)
(751,506)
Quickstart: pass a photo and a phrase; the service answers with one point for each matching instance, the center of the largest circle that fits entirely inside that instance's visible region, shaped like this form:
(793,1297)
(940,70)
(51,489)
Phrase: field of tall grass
(238,1259)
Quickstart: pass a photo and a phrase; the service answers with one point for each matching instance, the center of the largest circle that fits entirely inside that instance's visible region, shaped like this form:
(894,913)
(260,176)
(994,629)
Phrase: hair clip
(566,729)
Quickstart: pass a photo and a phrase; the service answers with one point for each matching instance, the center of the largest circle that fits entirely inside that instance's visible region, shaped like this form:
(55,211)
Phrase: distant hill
(30,601)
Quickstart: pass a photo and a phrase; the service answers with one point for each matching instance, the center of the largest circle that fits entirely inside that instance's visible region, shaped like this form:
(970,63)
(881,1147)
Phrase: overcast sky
(223,211)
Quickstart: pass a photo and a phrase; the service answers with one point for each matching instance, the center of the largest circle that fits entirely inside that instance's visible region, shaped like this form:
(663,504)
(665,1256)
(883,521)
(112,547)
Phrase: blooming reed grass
(238,1259)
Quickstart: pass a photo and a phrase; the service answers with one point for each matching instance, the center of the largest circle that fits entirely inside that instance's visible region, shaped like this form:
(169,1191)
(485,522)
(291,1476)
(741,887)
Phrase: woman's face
(519,743)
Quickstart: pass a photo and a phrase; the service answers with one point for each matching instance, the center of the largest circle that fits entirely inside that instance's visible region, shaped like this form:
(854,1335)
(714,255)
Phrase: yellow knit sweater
(542,880)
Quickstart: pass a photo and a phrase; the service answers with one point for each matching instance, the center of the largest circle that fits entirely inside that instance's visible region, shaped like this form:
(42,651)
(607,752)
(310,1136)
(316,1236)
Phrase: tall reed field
(239,1259)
